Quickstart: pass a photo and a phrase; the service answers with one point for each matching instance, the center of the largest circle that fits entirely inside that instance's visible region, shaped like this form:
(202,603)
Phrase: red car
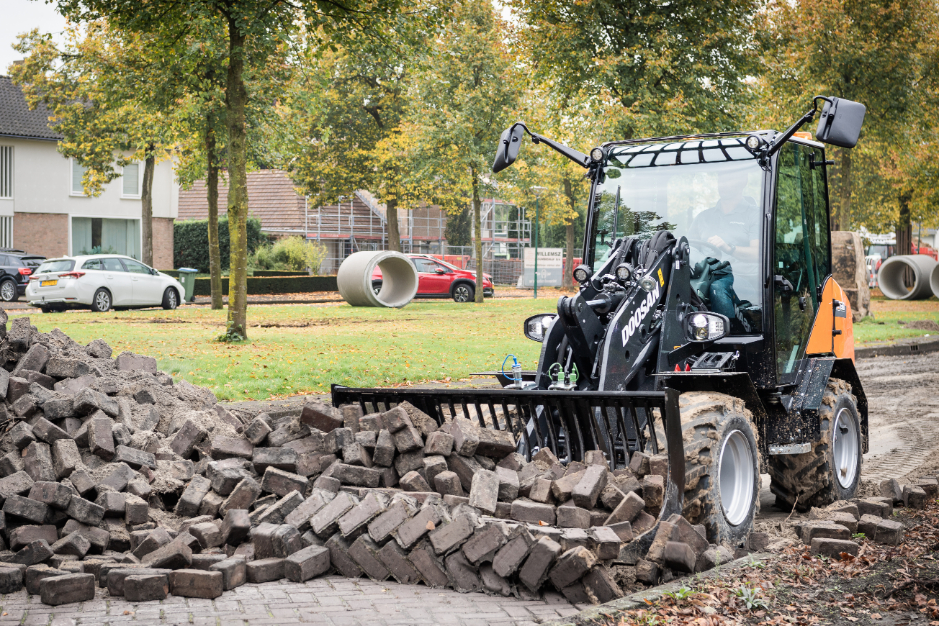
(439,279)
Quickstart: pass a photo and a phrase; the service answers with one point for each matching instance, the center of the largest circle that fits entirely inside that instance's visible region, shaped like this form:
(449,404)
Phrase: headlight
(582,274)
(623,272)
(647,283)
(536,327)
(706,326)
(597,154)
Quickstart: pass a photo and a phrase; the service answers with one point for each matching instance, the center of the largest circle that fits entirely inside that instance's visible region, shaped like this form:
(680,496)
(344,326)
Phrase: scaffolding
(358,223)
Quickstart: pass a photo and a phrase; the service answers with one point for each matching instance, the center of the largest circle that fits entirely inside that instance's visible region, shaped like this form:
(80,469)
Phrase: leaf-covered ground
(882,586)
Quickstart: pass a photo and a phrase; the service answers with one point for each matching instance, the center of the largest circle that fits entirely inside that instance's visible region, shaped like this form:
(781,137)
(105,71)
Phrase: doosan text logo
(640,313)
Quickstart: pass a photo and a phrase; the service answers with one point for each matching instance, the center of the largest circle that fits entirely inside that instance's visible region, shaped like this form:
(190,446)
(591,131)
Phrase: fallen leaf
(430,526)
(876,616)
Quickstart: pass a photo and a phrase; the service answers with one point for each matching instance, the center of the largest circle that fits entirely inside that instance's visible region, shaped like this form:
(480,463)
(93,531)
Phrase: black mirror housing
(840,122)
(703,326)
(537,326)
(509,144)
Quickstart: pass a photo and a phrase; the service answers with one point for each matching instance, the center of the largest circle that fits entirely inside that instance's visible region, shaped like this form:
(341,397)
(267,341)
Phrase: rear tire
(101,303)
(722,466)
(8,291)
(463,293)
(170,299)
(832,470)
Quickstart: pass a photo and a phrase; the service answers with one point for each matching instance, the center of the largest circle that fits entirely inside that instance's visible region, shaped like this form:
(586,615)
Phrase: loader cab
(759,237)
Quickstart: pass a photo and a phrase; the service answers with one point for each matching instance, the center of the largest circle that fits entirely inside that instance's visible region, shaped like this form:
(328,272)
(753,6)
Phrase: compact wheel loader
(707,325)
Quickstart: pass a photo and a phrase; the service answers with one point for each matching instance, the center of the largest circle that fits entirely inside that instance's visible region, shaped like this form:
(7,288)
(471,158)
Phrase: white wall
(42,184)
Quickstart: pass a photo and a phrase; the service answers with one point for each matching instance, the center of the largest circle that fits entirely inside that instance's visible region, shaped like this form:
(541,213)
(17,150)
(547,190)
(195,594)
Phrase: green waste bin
(187,278)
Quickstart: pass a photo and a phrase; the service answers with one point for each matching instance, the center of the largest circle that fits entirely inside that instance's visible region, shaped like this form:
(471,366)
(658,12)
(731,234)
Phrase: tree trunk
(904,225)
(146,207)
(211,183)
(567,279)
(478,239)
(236,98)
(394,236)
(843,221)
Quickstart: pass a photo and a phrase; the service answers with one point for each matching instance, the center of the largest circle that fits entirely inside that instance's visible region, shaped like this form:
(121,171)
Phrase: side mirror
(536,326)
(507,151)
(705,326)
(840,122)
(440,270)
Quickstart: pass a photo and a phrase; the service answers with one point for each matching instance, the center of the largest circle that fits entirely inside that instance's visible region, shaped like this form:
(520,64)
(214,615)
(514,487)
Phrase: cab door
(801,252)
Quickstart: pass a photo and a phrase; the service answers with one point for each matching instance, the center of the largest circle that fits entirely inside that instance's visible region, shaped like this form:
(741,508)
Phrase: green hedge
(278,273)
(191,242)
(274,285)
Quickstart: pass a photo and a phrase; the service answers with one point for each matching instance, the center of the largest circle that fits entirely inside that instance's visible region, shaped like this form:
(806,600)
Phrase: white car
(102,282)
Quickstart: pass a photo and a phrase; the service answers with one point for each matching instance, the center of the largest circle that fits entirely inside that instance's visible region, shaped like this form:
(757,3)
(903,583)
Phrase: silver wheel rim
(103,301)
(462,294)
(736,470)
(376,289)
(845,448)
(172,299)
(7,291)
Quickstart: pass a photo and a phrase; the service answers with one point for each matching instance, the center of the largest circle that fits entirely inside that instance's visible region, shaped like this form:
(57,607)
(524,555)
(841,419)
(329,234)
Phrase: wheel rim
(462,294)
(845,448)
(376,289)
(103,301)
(736,478)
(7,291)
(172,299)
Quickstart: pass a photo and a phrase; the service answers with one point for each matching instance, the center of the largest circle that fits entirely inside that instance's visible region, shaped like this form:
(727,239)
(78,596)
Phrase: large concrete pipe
(398,283)
(895,271)
(934,278)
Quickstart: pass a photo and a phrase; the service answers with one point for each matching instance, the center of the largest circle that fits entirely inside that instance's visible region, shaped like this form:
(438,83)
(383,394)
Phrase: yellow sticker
(661,279)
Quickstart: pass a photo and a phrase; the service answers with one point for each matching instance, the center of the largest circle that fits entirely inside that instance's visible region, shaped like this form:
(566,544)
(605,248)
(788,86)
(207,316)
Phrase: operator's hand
(717,242)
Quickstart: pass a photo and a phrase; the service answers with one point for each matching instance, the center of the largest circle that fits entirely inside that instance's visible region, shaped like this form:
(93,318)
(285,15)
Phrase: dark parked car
(15,269)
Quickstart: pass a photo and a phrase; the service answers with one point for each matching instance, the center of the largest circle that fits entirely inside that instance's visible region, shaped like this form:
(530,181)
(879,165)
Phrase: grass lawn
(300,349)
(303,349)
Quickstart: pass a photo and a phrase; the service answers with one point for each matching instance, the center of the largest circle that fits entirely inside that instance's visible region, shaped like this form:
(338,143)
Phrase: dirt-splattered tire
(722,466)
(831,471)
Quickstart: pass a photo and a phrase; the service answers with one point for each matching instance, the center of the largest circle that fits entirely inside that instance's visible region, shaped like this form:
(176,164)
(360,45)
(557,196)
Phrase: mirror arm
(774,147)
(576,156)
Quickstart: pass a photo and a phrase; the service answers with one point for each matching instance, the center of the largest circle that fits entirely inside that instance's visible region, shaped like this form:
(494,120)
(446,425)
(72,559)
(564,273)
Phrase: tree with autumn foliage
(882,53)
(92,90)
(466,93)
(338,123)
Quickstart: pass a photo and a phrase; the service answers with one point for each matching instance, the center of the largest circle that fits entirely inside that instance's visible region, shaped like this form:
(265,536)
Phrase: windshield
(707,191)
(58,265)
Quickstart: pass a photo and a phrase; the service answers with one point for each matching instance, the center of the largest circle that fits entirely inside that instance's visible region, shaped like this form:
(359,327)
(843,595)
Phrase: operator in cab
(731,231)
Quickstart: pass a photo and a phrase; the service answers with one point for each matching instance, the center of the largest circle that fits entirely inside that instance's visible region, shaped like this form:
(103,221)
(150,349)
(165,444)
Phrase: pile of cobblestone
(115,475)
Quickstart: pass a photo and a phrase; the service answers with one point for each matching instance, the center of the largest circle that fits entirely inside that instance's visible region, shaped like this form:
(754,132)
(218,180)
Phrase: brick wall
(163,243)
(41,233)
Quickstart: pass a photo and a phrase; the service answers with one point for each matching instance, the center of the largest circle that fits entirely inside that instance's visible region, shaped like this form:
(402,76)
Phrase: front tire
(101,303)
(463,293)
(170,299)
(831,471)
(8,291)
(722,466)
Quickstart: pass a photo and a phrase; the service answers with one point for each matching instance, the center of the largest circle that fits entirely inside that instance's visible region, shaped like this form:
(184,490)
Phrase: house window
(6,231)
(131,181)
(96,235)
(6,172)
(78,170)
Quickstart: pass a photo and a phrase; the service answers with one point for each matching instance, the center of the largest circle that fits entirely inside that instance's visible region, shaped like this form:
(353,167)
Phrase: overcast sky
(20,16)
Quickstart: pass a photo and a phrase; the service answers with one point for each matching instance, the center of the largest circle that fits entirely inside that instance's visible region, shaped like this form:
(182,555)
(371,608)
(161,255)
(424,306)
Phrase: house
(357,222)
(43,208)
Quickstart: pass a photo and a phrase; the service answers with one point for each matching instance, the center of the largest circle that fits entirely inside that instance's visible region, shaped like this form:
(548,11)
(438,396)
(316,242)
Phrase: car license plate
(48,283)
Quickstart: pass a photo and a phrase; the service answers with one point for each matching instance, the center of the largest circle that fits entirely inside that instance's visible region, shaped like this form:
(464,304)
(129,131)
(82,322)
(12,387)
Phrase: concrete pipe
(894,273)
(934,279)
(398,283)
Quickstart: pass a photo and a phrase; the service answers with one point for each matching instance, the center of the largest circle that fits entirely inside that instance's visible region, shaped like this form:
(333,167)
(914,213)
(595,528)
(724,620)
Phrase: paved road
(330,601)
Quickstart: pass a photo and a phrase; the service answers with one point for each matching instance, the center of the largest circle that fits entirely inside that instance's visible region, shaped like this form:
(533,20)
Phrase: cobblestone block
(449,537)
(51,494)
(235,526)
(242,496)
(364,552)
(414,529)
(207,534)
(177,554)
(833,548)
(462,574)
(59,590)
(193,583)
(570,516)
(307,563)
(326,521)
(484,543)
(355,475)
(25,508)
(74,543)
(37,461)
(321,417)
(398,512)
(233,570)
(24,535)
(448,484)
(587,490)
(265,570)
(889,532)
(186,438)
(371,506)
(33,553)
(439,443)
(231,447)
(538,563)
(278,512)
(413,481)
(533,512)
(118,479)
(10,577)
(339,557)
(189,502)
(572,565)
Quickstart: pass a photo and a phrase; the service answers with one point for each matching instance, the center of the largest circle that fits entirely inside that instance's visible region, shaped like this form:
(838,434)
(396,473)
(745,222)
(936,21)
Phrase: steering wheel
(704,246)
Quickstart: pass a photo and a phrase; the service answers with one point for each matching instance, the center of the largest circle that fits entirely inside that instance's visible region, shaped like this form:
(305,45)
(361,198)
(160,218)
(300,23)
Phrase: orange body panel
(821,340)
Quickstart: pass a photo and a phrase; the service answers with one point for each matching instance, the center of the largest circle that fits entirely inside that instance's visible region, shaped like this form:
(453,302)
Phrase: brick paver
(330,601)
